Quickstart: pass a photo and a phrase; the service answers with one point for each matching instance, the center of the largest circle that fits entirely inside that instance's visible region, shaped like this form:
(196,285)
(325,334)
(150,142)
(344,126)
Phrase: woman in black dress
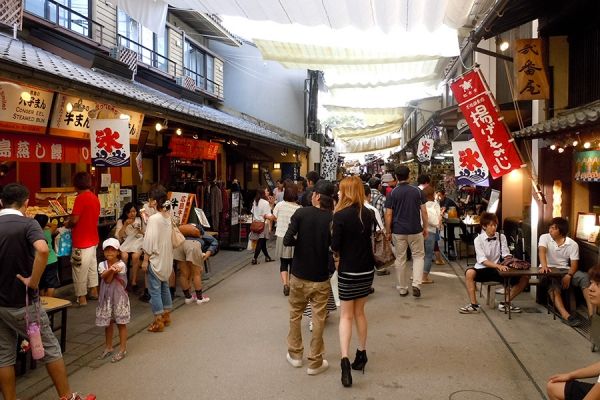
(351,243)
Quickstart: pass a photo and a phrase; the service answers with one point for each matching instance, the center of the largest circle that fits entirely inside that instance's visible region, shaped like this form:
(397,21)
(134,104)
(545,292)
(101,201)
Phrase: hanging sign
(587,166)
(77,122)
(43,149)
(469,167)
(24,113)
(425,149)
(487,126)
(181,205)
(530,71)
(109,140)
(193,149)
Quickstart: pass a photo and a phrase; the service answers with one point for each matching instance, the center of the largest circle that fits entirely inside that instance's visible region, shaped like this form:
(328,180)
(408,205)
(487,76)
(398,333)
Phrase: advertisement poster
(469,167)
(587,166)
(109,143)
(181,206)
(425,150)
(27,112)
(43,149)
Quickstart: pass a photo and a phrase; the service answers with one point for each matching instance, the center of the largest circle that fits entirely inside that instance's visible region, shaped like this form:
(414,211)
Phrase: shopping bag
(382,249)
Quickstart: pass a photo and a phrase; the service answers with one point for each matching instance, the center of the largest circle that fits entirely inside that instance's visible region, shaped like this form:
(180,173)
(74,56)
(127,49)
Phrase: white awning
(367,144)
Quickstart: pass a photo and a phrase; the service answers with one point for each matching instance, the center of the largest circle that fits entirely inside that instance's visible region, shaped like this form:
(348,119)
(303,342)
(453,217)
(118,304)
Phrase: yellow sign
(530,71)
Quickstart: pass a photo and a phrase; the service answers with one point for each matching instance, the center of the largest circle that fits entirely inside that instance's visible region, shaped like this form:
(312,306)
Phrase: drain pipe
(15,26)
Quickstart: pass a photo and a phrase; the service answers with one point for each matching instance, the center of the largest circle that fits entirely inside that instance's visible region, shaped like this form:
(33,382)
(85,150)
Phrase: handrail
(153,56)
(204,83)
(86,31)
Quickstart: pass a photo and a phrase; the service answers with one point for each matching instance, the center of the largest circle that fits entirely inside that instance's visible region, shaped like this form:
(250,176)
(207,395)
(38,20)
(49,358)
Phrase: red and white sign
(487,126)
(181,205)
(193,149)
(21,115)
(469,166)
(425,149)
(109,140)
(43,149)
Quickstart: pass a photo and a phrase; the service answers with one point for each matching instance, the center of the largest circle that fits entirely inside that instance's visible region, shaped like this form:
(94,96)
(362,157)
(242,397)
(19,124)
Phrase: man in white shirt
(559,251)
(490,247)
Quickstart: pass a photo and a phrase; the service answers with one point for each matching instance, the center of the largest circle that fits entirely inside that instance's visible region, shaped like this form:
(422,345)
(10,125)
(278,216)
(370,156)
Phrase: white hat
(387,178)
(111,242)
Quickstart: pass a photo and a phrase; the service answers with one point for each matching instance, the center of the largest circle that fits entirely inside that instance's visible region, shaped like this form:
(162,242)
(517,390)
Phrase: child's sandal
(119,356)
(105,354)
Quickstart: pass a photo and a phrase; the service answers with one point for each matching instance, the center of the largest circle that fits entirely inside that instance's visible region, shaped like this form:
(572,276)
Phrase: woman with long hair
(351,243)
(158,261)
(130,233)
(261,211)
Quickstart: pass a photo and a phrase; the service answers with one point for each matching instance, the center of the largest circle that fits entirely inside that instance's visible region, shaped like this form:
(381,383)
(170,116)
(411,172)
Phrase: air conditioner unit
(126,56)
(186,81)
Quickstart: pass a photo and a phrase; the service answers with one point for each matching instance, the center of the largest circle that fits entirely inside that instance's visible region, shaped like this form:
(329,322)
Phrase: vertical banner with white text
(425,149)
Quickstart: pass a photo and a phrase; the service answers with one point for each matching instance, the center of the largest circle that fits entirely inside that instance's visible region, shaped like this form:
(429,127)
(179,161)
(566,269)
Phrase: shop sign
(109,141)
(193,149)
(181,205)
(469,167)
(77,122)
(587,166)
(487,127)
(43,149)
(425,149)
(530,71)
(20,115)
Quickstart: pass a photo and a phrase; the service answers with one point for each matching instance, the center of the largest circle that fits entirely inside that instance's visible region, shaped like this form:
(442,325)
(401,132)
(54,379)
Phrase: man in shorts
(489,248)
(23,256)
(558,250)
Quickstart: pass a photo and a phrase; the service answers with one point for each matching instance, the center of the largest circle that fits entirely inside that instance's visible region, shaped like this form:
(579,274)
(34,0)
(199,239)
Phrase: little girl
(113,302)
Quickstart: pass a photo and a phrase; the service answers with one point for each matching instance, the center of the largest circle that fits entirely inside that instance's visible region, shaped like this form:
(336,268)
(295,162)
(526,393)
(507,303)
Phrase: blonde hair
(352,193)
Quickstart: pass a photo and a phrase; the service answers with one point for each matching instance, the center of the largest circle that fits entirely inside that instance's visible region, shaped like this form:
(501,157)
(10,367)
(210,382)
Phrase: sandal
(106,353)
(119,356)
(427,281)
(157,326)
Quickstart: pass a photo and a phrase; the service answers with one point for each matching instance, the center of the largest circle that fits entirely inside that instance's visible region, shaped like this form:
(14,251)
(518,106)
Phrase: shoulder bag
(177,238)
(257,227)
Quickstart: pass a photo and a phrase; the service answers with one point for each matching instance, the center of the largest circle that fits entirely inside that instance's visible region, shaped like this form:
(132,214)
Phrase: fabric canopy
(367,144)
(369,116)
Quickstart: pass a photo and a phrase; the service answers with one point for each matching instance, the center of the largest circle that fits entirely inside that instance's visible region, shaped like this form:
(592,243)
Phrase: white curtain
(152,14)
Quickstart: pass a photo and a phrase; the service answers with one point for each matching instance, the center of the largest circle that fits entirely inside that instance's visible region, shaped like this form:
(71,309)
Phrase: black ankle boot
(346,372)
(360,360)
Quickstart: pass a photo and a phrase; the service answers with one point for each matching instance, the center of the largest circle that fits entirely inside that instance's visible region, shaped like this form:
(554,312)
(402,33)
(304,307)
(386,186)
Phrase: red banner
(488,128)
(43,149)
(193,149)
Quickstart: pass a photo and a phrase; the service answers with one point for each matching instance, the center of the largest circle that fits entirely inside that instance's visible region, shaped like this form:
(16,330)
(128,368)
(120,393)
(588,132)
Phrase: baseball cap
(387,178)
(323,186)
(111,242)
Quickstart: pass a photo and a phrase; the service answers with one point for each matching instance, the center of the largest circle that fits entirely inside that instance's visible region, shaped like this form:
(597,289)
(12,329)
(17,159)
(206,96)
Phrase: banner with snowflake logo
(469,167)
(425,149)
(110,142)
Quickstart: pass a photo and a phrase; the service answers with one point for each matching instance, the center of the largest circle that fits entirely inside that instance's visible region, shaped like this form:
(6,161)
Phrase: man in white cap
(388,182)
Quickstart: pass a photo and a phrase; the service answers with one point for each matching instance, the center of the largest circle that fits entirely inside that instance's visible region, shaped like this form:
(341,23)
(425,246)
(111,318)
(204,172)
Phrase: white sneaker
(310,325)
(500,290)
(189,301)
(293,363)
(317,371)
(202,300)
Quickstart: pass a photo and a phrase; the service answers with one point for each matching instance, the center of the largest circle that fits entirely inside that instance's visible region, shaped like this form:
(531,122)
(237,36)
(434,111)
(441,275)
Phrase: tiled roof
(26,55)
(571,119)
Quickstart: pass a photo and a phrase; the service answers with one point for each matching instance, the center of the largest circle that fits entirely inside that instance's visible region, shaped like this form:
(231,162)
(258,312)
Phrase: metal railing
(204,83)
(149,56)
(65,17)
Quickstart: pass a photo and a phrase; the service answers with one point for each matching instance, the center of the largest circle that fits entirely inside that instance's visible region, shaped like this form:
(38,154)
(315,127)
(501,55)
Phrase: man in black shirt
(311,179)
(23,256)
(310,234)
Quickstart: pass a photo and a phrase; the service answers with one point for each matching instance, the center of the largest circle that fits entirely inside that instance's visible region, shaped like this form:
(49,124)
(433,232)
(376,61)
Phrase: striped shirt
(283,211)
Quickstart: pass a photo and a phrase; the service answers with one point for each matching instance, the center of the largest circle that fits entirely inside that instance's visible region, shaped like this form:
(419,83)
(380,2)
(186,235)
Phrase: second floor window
(151,48)
(200,66)
(70,14)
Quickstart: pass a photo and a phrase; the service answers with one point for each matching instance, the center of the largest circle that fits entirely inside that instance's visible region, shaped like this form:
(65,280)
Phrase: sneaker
(204,299)
(571,321)
(513,309)
(310,325)
(500,290)
(469,309)
(317,371)
(189,300)
(293,362)
(403,292)
(416,291)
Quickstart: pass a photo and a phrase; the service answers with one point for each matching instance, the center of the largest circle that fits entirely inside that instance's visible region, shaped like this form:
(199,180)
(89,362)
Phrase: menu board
(181,206)
(24,108)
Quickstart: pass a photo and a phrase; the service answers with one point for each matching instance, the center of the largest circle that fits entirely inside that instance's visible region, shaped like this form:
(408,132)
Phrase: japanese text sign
(425,149)
(487,127)
(76,123)
(181,205)
(43,149)
(193,149)
(109,141)
(469,167)
(532,82)
(28,113)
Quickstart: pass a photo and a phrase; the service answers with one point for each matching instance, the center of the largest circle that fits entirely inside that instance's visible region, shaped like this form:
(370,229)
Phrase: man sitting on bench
(489,248)
(558,250)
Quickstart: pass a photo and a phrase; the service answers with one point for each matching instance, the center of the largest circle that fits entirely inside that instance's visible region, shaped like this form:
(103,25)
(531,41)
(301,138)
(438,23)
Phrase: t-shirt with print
(17,235)
(405,202)
(559,256)
(85,231)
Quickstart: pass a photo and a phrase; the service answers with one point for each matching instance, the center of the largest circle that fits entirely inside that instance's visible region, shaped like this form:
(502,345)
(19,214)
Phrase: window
(200,66)
(70,14)
(151,49)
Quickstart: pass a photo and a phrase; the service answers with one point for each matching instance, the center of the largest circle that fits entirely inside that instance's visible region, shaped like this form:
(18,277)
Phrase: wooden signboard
(181,205)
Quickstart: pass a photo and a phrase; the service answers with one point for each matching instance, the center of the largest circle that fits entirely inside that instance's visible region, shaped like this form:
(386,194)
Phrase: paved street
(234,347)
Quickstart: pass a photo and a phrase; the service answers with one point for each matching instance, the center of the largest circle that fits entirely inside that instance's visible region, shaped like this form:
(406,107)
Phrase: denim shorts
(12,325)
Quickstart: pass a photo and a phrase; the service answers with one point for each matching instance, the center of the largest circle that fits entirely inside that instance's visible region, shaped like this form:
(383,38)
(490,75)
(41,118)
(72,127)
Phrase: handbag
(177,238)
(513,262)
(257,227)
(382,249)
